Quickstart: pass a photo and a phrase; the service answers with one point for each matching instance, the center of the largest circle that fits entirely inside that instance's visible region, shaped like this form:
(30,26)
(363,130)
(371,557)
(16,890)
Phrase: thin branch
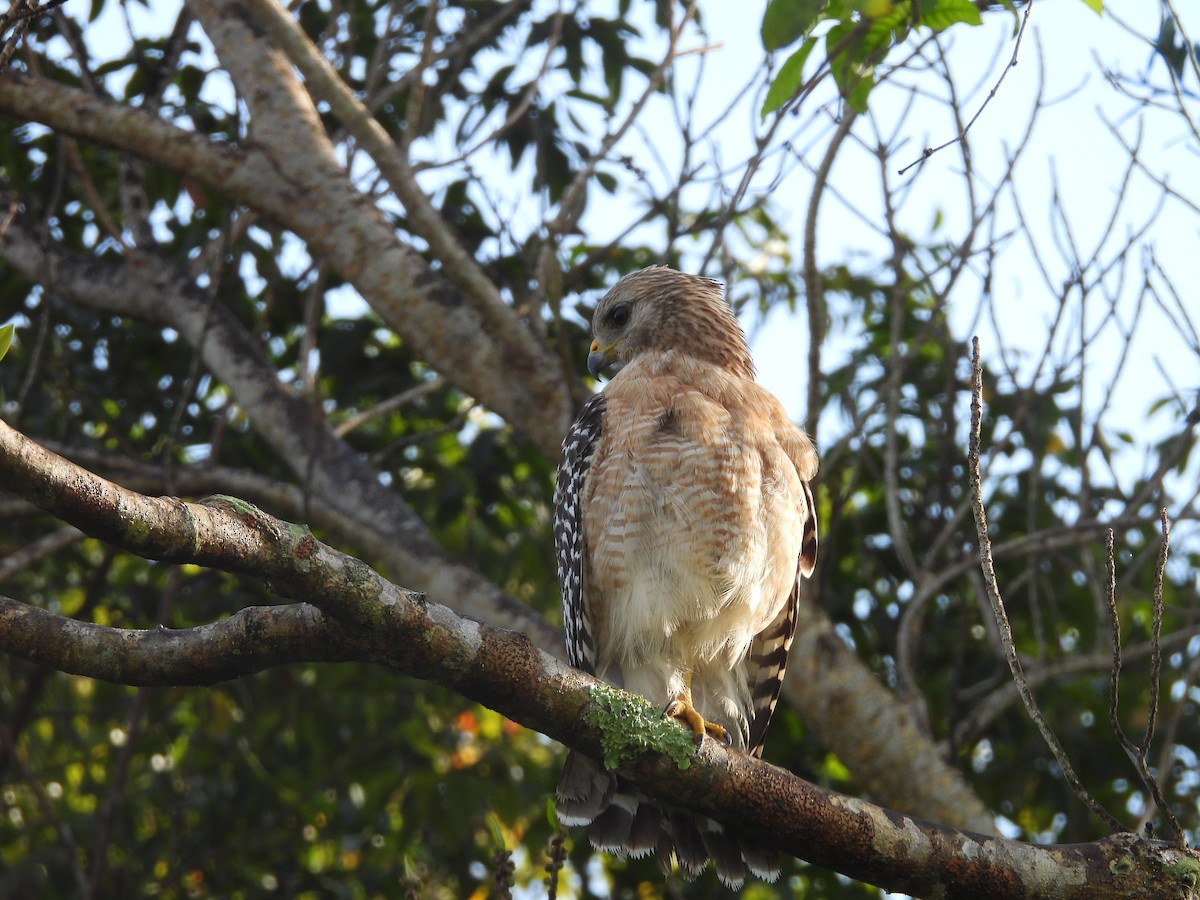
(1167,751)
(389,405)
(15,22)
(35,551)
(1137,753)
(515,113)
(1156,640)
(814,292)
(571,206)
(987,704)
(1001,616)
(961,136)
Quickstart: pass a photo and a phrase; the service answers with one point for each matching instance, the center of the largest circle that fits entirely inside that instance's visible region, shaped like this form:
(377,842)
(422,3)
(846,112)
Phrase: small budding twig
(502,873)
(993,591)
(1155,637)
(1137,753)
(557,858)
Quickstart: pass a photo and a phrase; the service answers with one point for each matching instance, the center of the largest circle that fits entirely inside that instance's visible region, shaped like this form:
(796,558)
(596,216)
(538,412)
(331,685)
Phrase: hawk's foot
(681,708)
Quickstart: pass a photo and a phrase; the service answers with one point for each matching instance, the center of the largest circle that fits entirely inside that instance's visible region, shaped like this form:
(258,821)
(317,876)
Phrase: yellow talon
(681,708)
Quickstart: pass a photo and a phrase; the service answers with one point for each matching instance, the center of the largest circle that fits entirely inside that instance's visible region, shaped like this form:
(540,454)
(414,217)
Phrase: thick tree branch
(149,289)
(324,83)
(286,123)
(357,613)
(834,690)
(344,228)
(251,640)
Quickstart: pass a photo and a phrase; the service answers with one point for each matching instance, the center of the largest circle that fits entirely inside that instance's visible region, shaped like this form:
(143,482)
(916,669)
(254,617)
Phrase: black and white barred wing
(769,651)
(569,548)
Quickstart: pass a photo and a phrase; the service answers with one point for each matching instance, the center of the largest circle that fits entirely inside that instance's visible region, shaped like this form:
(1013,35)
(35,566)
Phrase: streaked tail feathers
(625,822)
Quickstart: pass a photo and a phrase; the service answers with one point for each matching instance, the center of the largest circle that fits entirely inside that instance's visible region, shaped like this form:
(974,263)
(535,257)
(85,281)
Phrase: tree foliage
(338,261)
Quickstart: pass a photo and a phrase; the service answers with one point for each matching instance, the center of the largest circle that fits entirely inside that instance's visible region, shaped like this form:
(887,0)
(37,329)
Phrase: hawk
(683,523)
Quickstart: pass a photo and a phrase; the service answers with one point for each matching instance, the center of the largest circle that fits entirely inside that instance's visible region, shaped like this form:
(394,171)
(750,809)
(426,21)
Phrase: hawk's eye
(620,315)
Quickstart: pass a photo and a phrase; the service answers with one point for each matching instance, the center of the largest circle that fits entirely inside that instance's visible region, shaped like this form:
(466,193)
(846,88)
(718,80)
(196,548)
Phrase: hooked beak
(600,359)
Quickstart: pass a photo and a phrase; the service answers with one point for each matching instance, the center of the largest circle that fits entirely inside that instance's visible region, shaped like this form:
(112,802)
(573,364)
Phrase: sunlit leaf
(941,14)
(789,79)
(786,21)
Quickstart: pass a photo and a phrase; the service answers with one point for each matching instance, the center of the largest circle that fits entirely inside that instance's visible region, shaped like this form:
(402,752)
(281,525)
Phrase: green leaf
(885,31)
(941,14)
(785,21)
(855,48)
(789,79)
(856,97)
(6,334)
(1096,6)
(1173,51)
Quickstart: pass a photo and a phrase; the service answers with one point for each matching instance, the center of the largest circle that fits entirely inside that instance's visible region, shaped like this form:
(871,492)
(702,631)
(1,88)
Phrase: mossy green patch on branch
(299,531)
(241,507)
(136,532)
(630,724)
(1184,871)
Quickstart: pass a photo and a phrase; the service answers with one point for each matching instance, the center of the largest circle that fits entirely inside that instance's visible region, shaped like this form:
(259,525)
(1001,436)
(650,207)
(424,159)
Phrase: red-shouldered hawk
(683,522)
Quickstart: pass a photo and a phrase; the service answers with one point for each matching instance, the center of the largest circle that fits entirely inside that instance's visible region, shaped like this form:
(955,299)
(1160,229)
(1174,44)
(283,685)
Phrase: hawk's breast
(695,512)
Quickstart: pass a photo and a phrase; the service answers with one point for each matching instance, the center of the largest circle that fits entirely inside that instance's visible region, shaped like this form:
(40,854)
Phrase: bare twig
(514,113)
(928,152)
(389,405)
(814,292)
(570,208)
(1155,639)
(1166,753)
(988,702)
(993,591)
(15,22)
(1137,753)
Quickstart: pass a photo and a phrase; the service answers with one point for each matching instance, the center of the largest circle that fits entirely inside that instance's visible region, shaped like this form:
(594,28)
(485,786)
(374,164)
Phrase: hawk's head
(661,309)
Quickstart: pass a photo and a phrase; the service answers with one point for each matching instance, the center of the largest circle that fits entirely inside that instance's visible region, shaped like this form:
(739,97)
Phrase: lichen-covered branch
(346,611)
